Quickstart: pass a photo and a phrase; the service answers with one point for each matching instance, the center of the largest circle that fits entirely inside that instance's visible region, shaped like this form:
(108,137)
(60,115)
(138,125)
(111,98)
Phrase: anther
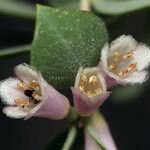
(117,56)
(93,79)
(34,85)
(22,86)
(112,66)
(123,72)
(84,79)
(37,97)
(98,90)
(81,88)
(128,55)
(21,102)
(132,66)
(89,93)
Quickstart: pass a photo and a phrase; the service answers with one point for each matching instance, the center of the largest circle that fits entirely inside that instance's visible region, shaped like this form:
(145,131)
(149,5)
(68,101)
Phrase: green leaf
(123,94)
(113,7)
(7,52)
(17,8)
(65,3)
(64,40)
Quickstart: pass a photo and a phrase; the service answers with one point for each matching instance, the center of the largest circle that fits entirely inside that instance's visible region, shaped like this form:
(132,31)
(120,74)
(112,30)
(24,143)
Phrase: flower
(89,91)
(30,95)
(100,129)
(125,61)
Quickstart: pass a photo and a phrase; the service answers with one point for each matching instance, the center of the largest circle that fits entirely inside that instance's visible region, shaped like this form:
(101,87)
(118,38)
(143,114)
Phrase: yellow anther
(93,79)
(112,66)
(128,55)
(34,85)
(81,88)
(21,102)
(89,93)
(132,66)
(117,56)
(98,90)
(83,79)
(123,72)
(22,85)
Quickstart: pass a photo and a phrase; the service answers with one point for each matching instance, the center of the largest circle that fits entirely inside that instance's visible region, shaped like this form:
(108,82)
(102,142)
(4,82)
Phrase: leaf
(7,52)
(112,7)
(64,40)
(122,94)
(65,3)
(17,8)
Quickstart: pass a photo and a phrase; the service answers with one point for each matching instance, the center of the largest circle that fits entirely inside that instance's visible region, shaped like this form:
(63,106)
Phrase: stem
(70,138)
(14,51)
(17,9)
(95,138)
(72,116)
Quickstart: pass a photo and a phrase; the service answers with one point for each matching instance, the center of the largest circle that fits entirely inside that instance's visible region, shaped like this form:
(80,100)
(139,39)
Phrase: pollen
(123,72)
(112,66)
(22,85)
(34,85)
(117,56)
(83,79)
(128,55)
(22,103)
(132,66)
(89,85)
(93,79)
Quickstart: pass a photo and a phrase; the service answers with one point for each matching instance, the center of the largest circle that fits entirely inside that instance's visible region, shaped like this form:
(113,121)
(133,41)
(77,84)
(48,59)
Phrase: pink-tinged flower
(125,61)
(89,91)
(30,95)
(101,133)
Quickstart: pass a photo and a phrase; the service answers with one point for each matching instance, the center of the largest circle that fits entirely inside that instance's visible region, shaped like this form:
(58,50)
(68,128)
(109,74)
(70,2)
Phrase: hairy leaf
(64,40)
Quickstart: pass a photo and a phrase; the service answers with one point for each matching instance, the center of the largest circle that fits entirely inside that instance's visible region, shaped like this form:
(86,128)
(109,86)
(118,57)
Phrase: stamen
(83,79)
(22,85)
(37,97)
(21,102)
(89,93)
(123,72)
(112,66)
(98,90)
(93,79)
(81,88)
(117,56)
(128,55)
(131,66)
(34,85)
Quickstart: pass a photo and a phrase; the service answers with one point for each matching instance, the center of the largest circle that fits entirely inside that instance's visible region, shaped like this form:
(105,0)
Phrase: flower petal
(54,106)
(27,73)
(142,57)
(14,112)
(111,82)
(137,77)
(9,91)
(102,132)
(124,42)
(86,106)
(104,56)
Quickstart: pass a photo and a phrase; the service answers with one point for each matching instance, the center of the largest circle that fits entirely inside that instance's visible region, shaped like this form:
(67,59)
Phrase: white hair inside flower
(126,60)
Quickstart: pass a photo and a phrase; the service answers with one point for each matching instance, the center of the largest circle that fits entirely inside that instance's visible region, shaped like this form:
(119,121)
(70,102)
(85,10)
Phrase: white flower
(30,95)
(125,60)
(90,90)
